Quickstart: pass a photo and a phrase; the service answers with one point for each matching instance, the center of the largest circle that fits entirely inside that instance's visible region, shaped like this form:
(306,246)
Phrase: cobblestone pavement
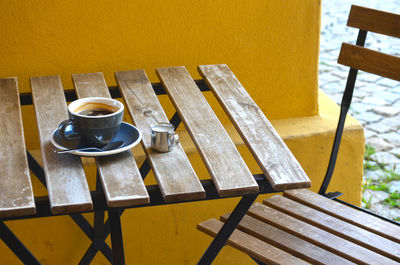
(376,102)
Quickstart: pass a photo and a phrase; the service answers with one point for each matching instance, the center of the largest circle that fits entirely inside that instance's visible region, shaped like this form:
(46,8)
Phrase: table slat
(317,236)
(121,180)
(173,171)
(16,194)
(272,155)
(66,182)
(227,168)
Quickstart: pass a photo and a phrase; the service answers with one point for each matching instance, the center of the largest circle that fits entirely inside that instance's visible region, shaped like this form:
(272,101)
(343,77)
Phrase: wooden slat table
(121,179)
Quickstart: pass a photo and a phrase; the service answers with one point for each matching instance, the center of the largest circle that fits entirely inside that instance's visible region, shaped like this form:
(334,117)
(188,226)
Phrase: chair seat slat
(345,213)
(287,242)
(317,236)
(336,226)
(251,245)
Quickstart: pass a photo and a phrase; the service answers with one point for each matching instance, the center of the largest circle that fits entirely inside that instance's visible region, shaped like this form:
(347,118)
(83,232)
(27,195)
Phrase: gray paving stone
(368,133)
(375,101)
(386,211)
(393,122)
(340,74)
(394,186)
(366,77)
(395,151)
(393,137)
(386,158)
(379,127)
(360,107)
(379,144)
(368,117)
(387,111)
(386,95)
(388,82)
(373,174)
(369,87)
(374,196)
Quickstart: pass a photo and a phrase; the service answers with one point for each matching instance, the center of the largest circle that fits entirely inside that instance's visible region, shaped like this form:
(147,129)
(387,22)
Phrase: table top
(120,177)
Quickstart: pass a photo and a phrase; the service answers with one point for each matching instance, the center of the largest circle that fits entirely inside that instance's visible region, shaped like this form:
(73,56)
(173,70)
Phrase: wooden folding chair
(303,226)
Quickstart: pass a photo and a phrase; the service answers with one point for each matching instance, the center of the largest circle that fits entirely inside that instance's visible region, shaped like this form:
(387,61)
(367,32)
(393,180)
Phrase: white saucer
(127,133)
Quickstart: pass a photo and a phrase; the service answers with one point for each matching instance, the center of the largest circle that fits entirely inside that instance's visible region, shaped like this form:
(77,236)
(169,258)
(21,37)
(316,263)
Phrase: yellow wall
(271,46)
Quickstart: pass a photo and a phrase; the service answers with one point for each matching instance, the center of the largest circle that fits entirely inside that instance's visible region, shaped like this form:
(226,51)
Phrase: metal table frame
(101,229)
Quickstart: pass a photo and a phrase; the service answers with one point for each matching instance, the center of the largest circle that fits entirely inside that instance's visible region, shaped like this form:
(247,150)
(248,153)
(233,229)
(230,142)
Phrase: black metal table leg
(230,225)
(16,246)
(227,229)
(117,244)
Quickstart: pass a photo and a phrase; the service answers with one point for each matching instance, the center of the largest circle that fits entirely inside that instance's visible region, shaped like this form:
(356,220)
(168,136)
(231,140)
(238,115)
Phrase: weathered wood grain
(173,171)
(317,236)
(16,194)
(370,61)
(250,245)
(345,213)
(287,242)
(121,180)
(66,182)
(271,153)
(227,168)
(374,20)
(336,226)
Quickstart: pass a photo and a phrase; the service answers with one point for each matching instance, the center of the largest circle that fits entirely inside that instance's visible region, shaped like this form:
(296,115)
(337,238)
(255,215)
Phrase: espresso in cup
(96,109)
(94,120)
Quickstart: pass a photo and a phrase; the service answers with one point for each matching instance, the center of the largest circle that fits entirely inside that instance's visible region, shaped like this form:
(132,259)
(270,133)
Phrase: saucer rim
(100,153)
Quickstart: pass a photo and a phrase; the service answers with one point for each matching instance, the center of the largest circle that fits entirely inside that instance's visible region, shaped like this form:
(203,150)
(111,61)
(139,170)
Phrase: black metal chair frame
(101,229)
(344,108)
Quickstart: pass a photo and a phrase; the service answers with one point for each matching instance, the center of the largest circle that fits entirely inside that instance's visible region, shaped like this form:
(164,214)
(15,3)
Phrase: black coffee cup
(94,120)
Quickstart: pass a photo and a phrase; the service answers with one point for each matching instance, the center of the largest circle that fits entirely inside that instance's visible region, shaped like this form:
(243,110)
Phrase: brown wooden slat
(65,178)
(336,226)
(374,20)
(121,180)
(250,245)
(287,242)
(370,61)
(271,153)
(317,236)
(16,194)
(173,171)
(227,168)
(345,213)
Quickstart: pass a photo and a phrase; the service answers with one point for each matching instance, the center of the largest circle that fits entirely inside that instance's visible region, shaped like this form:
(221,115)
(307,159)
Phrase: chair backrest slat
(370,61)
(374,21)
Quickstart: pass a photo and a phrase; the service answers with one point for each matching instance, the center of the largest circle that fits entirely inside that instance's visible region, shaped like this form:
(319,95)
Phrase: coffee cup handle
(63,126)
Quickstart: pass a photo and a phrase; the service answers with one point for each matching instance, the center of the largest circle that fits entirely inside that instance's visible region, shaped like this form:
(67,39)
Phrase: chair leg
(16,246)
